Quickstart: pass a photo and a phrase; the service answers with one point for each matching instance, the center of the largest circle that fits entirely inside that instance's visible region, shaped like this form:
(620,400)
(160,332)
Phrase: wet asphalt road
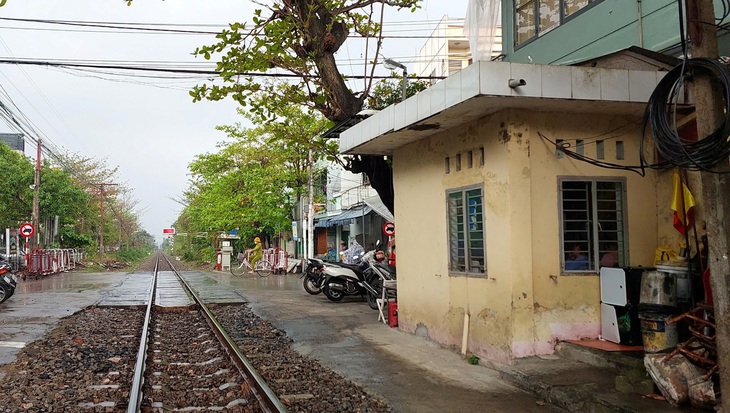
(411,373)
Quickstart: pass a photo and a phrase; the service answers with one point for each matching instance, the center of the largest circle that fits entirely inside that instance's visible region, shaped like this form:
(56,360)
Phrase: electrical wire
(138,28)
(564,148)
(132,68)
(704,154)
(707,152)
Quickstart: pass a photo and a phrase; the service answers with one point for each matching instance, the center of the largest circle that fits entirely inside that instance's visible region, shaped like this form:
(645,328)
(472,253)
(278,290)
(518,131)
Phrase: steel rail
(135,394)
(266,397)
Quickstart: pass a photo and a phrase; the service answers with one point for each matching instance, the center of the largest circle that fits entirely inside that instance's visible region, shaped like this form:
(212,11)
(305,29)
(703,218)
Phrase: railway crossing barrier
(51,261)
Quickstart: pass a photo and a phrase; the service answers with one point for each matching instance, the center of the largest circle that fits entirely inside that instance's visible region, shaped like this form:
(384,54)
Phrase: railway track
(187,362)
(88,361)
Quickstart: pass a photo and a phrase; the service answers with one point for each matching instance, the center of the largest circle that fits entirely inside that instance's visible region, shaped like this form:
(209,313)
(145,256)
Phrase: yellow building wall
(567,306)
(524,304)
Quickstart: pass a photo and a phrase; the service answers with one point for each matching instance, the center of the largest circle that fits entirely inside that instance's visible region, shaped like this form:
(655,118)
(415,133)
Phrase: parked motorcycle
(376,273)
(8,280)
(343,279)
(313,276)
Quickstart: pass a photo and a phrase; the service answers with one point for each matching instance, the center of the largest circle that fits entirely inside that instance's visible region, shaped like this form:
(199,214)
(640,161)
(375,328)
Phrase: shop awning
(379,207)
(321,222)
(346,217)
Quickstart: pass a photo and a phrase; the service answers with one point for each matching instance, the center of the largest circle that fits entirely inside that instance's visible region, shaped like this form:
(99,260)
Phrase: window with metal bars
(593,224)
(467,235)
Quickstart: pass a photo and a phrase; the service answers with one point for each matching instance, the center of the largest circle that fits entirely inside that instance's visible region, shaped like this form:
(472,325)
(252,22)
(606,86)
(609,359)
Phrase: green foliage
(254,180)
(59,195)
(68,190)
(133,254)
(121,227)
(301,38)
(72,239)
(16,196)
(388,92)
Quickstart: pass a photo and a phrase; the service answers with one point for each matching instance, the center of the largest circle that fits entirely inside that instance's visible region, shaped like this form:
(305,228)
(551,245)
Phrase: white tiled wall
(585,83)
(615,85)
(641,85)
(491,78)
(557,81)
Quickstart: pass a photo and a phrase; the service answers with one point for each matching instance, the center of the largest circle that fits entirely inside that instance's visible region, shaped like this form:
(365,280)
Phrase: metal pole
(101,224)
(310,211)
(405,84)
(35,218)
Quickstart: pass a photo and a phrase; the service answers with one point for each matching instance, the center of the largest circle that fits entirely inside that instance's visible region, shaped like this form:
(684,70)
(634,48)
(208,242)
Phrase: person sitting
(577,260)
(610,258)
(331,253)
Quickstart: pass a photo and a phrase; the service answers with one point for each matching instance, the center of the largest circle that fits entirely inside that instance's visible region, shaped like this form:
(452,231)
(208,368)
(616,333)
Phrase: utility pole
(35,215)
(702,34)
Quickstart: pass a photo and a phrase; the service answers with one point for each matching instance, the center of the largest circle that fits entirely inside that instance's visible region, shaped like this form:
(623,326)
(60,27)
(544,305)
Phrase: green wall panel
(603,28)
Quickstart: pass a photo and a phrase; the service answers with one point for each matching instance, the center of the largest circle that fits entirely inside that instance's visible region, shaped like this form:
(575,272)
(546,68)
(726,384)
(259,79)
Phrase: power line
(49,63)
(136,28)
(40,92)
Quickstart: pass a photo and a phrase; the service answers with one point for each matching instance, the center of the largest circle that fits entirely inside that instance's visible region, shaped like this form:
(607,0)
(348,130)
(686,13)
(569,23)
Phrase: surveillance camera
(31,186)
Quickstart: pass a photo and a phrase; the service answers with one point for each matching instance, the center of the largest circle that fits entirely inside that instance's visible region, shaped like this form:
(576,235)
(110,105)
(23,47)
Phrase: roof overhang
(335,131)
(482,89)
(346,217)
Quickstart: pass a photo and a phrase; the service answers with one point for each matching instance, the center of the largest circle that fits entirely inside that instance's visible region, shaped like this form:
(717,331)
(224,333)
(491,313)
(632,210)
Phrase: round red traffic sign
(27,230)
(389,229)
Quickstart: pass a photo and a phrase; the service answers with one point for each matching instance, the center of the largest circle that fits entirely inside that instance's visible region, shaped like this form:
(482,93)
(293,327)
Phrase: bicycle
(263,266)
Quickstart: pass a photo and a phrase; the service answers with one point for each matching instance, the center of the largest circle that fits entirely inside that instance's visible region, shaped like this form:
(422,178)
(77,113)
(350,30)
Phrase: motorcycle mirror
(377,243)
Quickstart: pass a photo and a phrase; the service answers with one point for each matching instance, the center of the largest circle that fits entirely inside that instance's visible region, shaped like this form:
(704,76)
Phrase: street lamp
(391,64)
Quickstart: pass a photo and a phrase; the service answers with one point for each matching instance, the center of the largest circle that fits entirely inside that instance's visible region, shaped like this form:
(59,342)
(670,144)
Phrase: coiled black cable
(704,154)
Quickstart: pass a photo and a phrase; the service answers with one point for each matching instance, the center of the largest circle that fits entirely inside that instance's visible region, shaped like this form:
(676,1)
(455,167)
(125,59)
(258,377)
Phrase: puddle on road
(288,282)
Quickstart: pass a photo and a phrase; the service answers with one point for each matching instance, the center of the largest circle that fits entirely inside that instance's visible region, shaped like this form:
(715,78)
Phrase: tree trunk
(323,37)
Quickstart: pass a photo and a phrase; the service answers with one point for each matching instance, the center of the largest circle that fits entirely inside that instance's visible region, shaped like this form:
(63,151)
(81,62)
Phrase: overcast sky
(148,127)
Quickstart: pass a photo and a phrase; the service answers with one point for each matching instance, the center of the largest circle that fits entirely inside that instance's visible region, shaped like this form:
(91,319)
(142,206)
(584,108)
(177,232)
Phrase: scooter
(344,279)
(317,272)
(8,280)
(313,276)
(376,273)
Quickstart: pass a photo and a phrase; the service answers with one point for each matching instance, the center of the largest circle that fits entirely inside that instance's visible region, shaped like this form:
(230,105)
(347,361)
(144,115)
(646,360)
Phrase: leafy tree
(253,182)
(16,196)
(301,37)
(99,181)
(69,189)
(58,195)
(70,238)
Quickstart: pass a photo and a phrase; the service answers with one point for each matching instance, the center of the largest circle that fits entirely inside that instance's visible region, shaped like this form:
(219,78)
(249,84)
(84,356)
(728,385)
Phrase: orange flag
(682,216)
